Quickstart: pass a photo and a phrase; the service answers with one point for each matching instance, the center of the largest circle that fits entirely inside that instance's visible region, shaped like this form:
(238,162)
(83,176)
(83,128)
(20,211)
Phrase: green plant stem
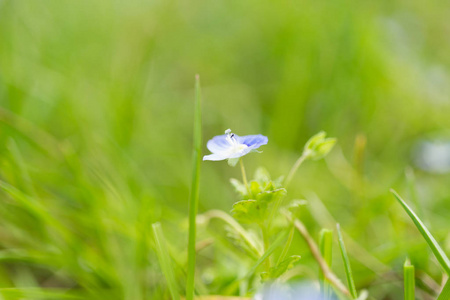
(327,273)
(193,199)
(294,168)
(409,281)
(244,177)
(214,213)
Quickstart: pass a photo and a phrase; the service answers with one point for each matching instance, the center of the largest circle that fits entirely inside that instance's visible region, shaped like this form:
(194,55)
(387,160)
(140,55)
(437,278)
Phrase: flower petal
(216,156)
(253,141)
(218,144)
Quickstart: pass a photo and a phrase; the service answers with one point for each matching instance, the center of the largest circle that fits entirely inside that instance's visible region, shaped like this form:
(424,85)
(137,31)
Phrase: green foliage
(445,293)
(278,270)
(165,260)
(432,243)
(318,146)
(95,135)
(194,192)
(255,207)
(348,268)
(326,250)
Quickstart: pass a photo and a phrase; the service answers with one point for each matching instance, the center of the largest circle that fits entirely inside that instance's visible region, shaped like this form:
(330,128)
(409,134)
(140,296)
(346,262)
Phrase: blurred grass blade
(287,245)
(273,246)
(437,250)
(37,293)
(193,199)
(409,280)
(348,269)
(266,254)
(326,247)
(445,293)
(165,261)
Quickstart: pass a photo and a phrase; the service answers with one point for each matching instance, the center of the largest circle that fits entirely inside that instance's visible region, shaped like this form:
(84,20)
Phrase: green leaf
(348,269)
(270,196)
(262,176)
(409,280)
(437,250)
(249,211)
(255,189)
(239,187)
(240,243)
(445,293)
(280,269)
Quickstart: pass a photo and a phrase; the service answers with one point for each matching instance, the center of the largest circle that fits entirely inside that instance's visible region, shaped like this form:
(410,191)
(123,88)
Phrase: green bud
(318,146)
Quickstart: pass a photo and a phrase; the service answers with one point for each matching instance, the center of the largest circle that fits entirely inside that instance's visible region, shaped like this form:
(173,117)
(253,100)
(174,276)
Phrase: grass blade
(445,293)
(409,280)
(165,261)
(437,250)
(348,269)
(326,247)
(193,198)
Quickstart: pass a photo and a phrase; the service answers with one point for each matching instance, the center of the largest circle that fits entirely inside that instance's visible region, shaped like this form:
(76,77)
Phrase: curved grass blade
(445,293)
(409,280)
(164,260)
(193,198)
(348,269)
(437,250)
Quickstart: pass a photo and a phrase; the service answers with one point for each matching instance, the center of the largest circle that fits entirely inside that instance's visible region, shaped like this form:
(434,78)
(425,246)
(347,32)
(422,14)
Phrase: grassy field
(96,138)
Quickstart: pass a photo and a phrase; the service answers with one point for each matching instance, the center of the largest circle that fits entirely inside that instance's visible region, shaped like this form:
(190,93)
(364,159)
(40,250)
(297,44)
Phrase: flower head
(231,146)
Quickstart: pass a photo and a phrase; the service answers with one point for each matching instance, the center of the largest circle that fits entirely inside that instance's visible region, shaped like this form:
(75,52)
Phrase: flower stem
(294,168)
(244,177)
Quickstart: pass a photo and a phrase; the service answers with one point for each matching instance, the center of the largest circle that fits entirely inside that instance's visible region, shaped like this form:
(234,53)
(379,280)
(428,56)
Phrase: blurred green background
(96,133)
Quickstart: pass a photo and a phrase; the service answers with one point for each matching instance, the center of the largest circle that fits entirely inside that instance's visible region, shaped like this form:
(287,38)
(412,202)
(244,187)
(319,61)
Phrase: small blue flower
(231,146)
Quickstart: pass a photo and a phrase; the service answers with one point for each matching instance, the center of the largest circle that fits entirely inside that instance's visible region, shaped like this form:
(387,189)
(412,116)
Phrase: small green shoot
(437,250)
(164,260)
(348,269)
(193,199)
(409,280)
(326,247)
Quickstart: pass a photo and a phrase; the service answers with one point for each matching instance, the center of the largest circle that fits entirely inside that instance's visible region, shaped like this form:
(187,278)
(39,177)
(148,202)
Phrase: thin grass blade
(437,250)
(193,199)
(409,280)
(165,261)
(348,269)
(326,247)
